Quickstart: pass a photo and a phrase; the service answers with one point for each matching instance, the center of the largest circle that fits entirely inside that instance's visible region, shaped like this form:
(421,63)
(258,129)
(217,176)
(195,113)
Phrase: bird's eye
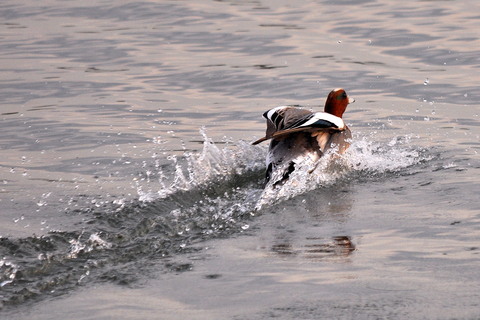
(342,96)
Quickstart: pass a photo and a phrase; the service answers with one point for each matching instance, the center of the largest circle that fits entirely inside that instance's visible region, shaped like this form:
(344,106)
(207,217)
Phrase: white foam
(364,156)
(204,167)
(8,272)
(94,242)
(213,163)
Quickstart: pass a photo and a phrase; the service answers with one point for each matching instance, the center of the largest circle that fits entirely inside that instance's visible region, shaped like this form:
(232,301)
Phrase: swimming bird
(298,134)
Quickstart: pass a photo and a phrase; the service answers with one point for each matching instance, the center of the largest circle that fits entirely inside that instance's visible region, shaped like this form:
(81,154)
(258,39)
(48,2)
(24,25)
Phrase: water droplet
(465,95)
(41,203)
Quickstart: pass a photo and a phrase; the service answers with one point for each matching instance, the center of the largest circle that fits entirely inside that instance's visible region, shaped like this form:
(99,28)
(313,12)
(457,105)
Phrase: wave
(364,158)
(200,195)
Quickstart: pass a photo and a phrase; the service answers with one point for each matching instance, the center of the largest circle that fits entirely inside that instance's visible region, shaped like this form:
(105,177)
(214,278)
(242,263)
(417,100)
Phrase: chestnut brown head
(337,102)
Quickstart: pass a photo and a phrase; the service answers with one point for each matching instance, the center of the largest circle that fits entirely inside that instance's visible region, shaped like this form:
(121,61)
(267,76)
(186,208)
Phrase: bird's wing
(282,121)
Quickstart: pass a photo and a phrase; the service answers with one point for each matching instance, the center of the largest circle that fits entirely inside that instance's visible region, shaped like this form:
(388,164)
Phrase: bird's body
(298,135)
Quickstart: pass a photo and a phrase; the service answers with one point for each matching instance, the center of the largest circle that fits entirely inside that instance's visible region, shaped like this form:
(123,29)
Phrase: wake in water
(364,157)
(199,196)
(214,164)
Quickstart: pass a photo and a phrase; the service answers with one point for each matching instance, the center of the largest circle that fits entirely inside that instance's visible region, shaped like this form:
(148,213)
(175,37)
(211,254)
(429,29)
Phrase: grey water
(129,188)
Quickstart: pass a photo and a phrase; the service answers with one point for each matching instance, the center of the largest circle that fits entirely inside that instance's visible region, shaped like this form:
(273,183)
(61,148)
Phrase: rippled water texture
(129,188)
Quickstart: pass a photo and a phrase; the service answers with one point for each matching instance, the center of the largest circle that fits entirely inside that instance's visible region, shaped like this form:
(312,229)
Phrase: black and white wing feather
(285,120)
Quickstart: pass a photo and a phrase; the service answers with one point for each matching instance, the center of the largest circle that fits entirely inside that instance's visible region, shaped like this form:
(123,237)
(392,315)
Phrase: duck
(298,134)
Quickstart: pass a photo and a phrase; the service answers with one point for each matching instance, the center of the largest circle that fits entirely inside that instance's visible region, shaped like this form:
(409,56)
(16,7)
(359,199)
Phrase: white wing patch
(323,116)
(270,112)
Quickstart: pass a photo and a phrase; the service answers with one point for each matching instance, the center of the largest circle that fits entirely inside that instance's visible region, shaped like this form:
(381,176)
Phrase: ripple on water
(199,196)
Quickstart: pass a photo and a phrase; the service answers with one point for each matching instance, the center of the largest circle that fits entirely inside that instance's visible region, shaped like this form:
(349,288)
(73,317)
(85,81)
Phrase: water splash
(8,272)
(214,164)
(198,196)
(211,164)
(94,242)
(365,158)
(377,158)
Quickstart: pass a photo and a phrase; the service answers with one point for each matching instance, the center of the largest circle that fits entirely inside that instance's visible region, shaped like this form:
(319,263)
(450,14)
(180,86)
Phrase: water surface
(130,188)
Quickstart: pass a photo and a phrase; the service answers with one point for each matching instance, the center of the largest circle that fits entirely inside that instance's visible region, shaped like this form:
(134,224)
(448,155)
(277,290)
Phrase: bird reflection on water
(311,226)
(318,248)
